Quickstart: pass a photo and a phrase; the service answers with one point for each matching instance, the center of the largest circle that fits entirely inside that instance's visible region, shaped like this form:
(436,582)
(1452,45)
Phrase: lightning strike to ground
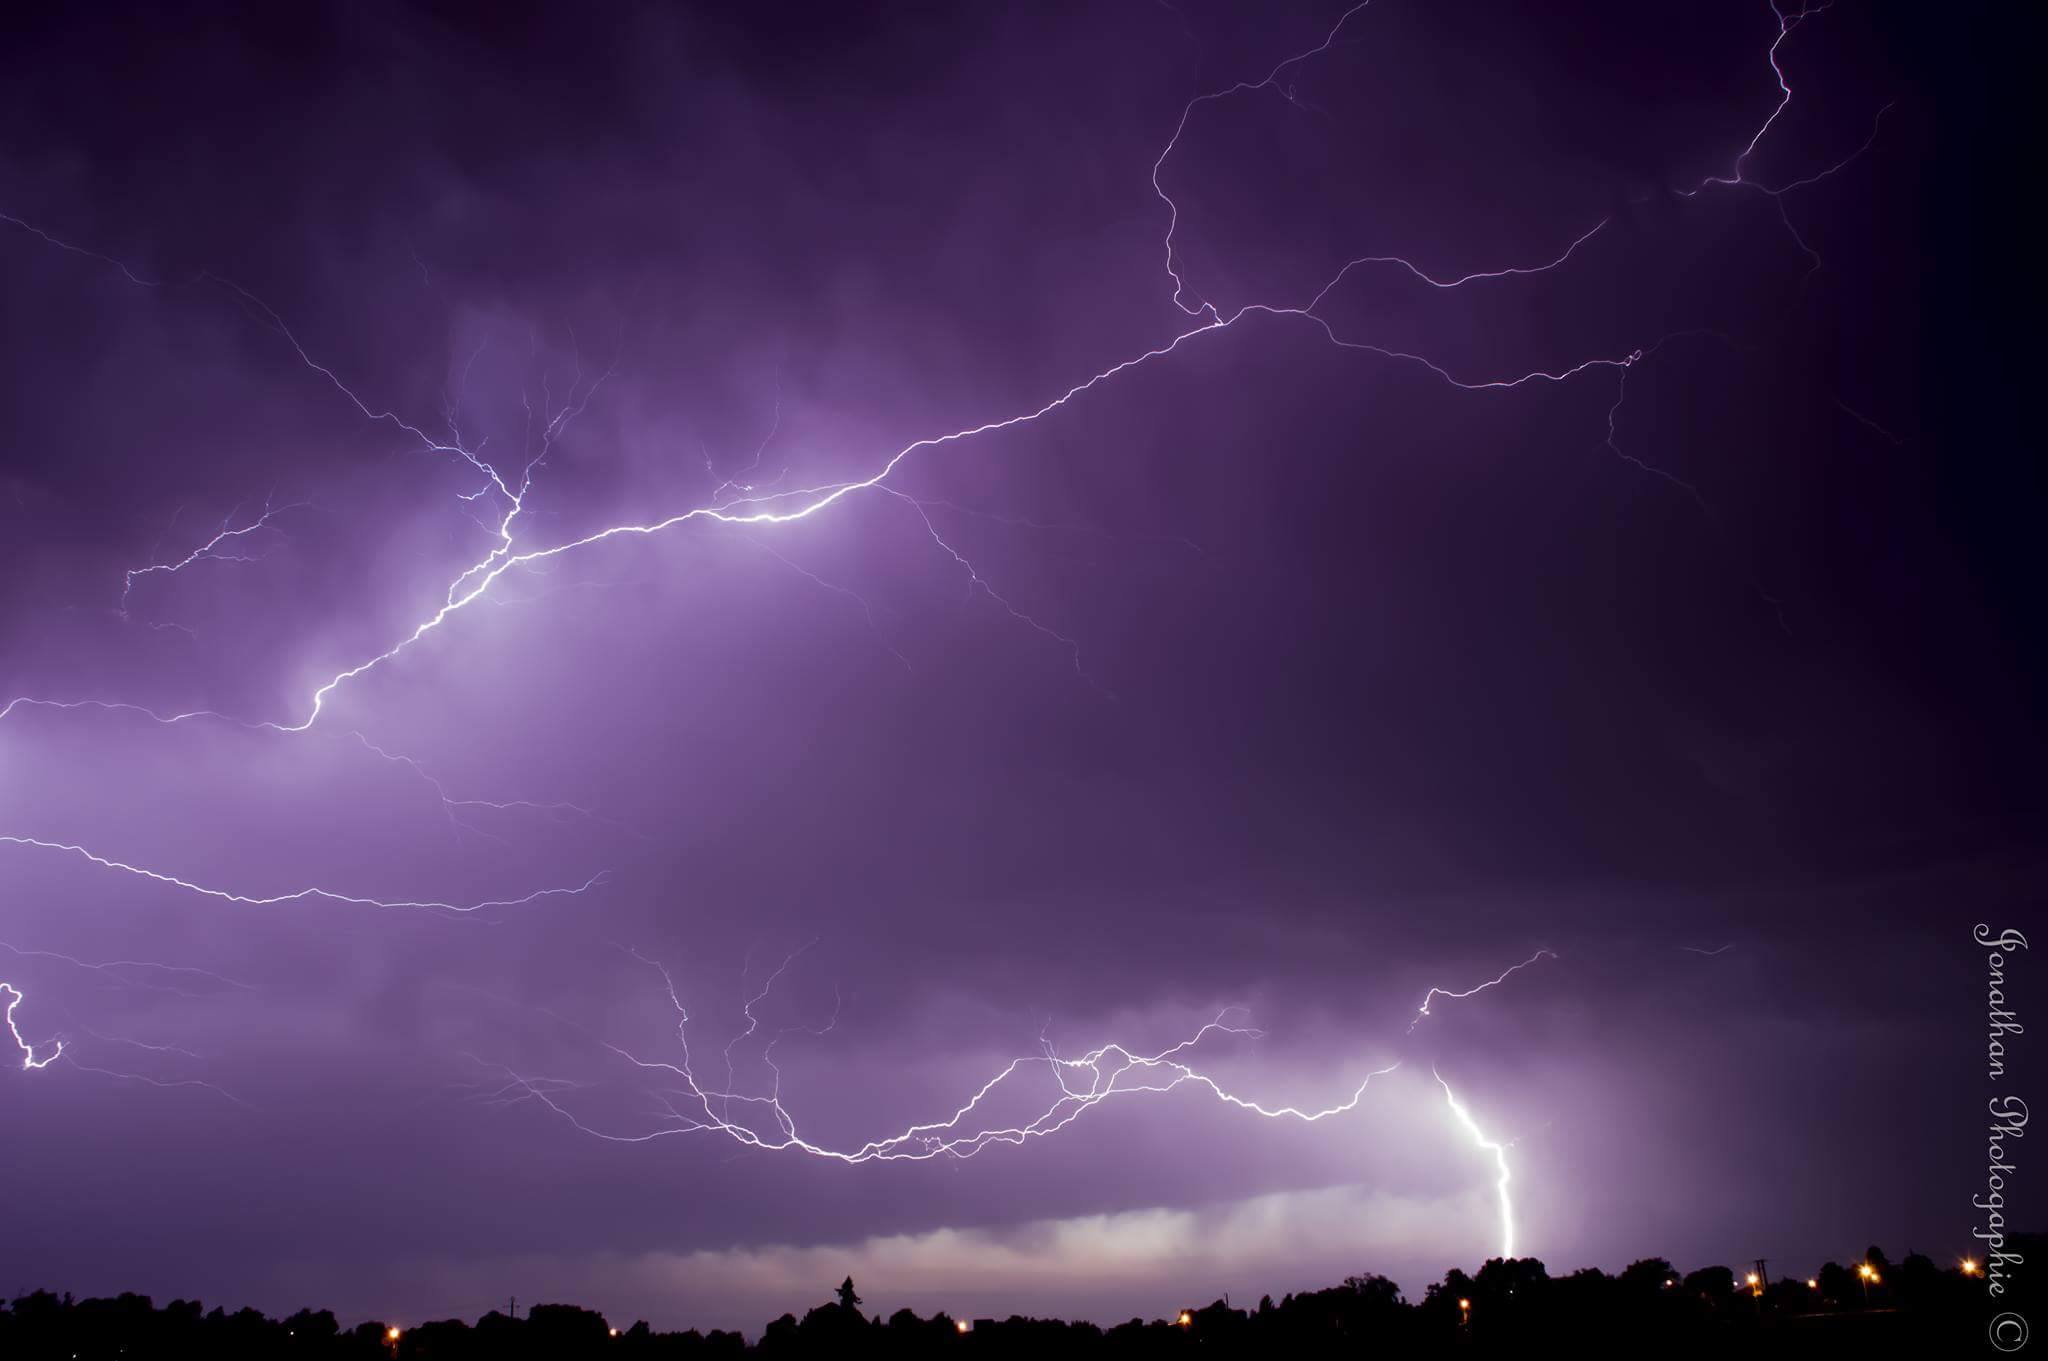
(1500,1162)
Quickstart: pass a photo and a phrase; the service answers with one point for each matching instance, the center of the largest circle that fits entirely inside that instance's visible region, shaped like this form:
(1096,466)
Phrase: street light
(1969,1266)
(959,1325)
(391,1333)
(1812,1284)
(1185,1318)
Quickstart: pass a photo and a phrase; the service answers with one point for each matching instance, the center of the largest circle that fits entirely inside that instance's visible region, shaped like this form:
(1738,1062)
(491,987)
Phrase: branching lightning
(29,1061)
(499,494)
(682,1104)
(1082,1082)
(227,545)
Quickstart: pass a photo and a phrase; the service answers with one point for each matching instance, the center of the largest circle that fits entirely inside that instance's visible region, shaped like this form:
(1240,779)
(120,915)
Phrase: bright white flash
(29,1061)
(1500,1160)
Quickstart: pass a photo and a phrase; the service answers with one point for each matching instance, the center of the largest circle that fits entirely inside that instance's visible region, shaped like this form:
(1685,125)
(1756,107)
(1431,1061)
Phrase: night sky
(1662,605)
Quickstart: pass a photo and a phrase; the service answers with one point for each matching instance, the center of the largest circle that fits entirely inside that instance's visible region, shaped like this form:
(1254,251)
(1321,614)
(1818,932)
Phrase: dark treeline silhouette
(1871,1307)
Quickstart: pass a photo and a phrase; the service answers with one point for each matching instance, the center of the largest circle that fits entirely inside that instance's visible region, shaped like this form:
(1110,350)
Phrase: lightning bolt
(1111,1070)
(29,1061)
(297,895)
(224,546)
(789,507)
(68,247)
(1494,982)
(61,1049)
(778,508)
(114,968)
(1737,177)
(1500,1161)
(684,1105)
(147,1080)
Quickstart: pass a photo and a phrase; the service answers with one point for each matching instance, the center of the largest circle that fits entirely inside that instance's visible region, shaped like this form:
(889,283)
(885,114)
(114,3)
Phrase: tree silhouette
(1838,1284)
(1710,1282)
(1647,1275)
(1510,1305)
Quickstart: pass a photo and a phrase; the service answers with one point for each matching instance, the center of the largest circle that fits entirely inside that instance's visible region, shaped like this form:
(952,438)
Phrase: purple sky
(1294,670)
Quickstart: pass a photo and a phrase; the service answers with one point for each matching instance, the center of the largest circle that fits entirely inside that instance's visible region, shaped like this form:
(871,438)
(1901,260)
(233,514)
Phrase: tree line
(1871,1307)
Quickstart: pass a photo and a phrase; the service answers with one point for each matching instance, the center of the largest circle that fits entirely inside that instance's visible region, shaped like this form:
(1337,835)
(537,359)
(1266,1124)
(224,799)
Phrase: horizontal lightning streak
(1107,1069)
(114,966)
(1083,1082)
(156,1081)
(296,895)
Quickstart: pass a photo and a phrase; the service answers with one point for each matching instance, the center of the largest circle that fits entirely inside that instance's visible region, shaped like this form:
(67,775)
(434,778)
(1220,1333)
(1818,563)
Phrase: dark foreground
(1869,1308)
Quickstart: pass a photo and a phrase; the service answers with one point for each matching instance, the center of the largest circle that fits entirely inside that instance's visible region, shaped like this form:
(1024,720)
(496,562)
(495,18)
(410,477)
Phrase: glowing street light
(391,1333)
(960,1325)
(1812,1284)
(1969,1266)
(1186,1319)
